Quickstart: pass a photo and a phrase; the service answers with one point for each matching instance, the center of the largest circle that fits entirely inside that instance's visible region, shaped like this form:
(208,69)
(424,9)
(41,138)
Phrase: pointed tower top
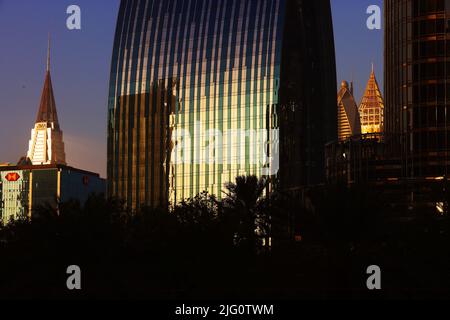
(372,92)
(47,108)
(46,145)
(372,107)
(48,54)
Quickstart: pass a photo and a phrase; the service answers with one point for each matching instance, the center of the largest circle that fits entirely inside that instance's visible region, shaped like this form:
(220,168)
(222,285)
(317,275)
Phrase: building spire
(46,145)
(47,108)
(48,54)
(372,107)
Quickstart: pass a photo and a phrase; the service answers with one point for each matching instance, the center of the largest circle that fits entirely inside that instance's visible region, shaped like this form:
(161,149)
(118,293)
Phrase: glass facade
(417,74)
(197,89)
(14,197)
(307,110)
(79,185)
(24,188)
(45,186)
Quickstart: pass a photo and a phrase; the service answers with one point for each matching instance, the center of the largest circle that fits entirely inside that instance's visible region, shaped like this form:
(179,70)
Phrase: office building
(42,178)
(417,87)
(348,115)
(202,91)
(46,145)
(23,189)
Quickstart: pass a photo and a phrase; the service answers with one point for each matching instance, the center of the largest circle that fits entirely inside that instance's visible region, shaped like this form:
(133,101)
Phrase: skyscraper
(417,74)
(42,177)
(307,98)
(46,145)
(348,115)
(202,91)
(371,108)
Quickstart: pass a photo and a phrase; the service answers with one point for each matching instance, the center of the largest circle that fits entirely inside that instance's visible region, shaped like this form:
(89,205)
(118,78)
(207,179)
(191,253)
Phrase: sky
(81,63)
(357,47)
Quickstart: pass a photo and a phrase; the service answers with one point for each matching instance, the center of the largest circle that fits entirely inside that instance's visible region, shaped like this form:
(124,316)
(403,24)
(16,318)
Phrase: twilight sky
(81,62)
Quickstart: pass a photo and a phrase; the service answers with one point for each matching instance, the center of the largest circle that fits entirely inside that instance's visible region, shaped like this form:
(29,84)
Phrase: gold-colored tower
(348,115)
(371,108)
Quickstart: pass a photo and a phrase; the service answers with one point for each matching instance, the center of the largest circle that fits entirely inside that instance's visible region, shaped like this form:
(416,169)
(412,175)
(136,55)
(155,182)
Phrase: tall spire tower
(46,145)
(371,108)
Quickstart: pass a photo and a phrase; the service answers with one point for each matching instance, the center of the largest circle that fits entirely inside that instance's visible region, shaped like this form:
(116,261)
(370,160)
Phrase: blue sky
(356,46)
(81,62)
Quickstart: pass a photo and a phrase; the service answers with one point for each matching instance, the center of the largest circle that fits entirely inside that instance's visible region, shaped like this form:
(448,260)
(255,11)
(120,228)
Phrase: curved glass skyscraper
(202,91)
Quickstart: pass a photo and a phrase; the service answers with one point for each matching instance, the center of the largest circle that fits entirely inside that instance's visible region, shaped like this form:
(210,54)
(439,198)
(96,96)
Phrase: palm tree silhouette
(242,207)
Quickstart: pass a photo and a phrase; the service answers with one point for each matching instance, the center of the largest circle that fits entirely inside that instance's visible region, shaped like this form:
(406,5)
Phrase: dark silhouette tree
(242,209)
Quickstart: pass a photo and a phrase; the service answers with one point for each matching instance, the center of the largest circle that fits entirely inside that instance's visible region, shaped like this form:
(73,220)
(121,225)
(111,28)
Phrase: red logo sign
(12,177)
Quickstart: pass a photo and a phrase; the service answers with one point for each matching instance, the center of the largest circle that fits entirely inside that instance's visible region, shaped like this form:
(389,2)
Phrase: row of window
(432,70)
(430,93)
(420,50)
(261,36)
(424,7)
(429,27)
(431,140)
(249,59)
(430,116)
(430,49)
(415,8)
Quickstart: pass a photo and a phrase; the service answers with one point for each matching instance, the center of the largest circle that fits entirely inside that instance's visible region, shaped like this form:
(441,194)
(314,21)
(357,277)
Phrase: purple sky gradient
(81,62)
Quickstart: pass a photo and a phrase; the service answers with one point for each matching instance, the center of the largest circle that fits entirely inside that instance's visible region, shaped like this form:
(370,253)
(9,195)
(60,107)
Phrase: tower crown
(46,145)
(47,108)
(371,108)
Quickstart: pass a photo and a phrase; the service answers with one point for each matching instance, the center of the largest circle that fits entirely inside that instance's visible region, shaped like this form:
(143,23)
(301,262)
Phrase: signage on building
(12,177)
(41,126)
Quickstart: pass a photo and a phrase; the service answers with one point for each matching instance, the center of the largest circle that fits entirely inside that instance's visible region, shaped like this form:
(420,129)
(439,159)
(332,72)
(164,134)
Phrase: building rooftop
(46,167)
(5,164)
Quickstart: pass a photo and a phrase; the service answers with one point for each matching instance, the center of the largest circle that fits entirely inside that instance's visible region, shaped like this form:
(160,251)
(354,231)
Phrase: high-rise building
(417,84)
(307,97)
(46,145)
(25,188)
(348,115)
(202,91)
(371,108)
(42,178)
